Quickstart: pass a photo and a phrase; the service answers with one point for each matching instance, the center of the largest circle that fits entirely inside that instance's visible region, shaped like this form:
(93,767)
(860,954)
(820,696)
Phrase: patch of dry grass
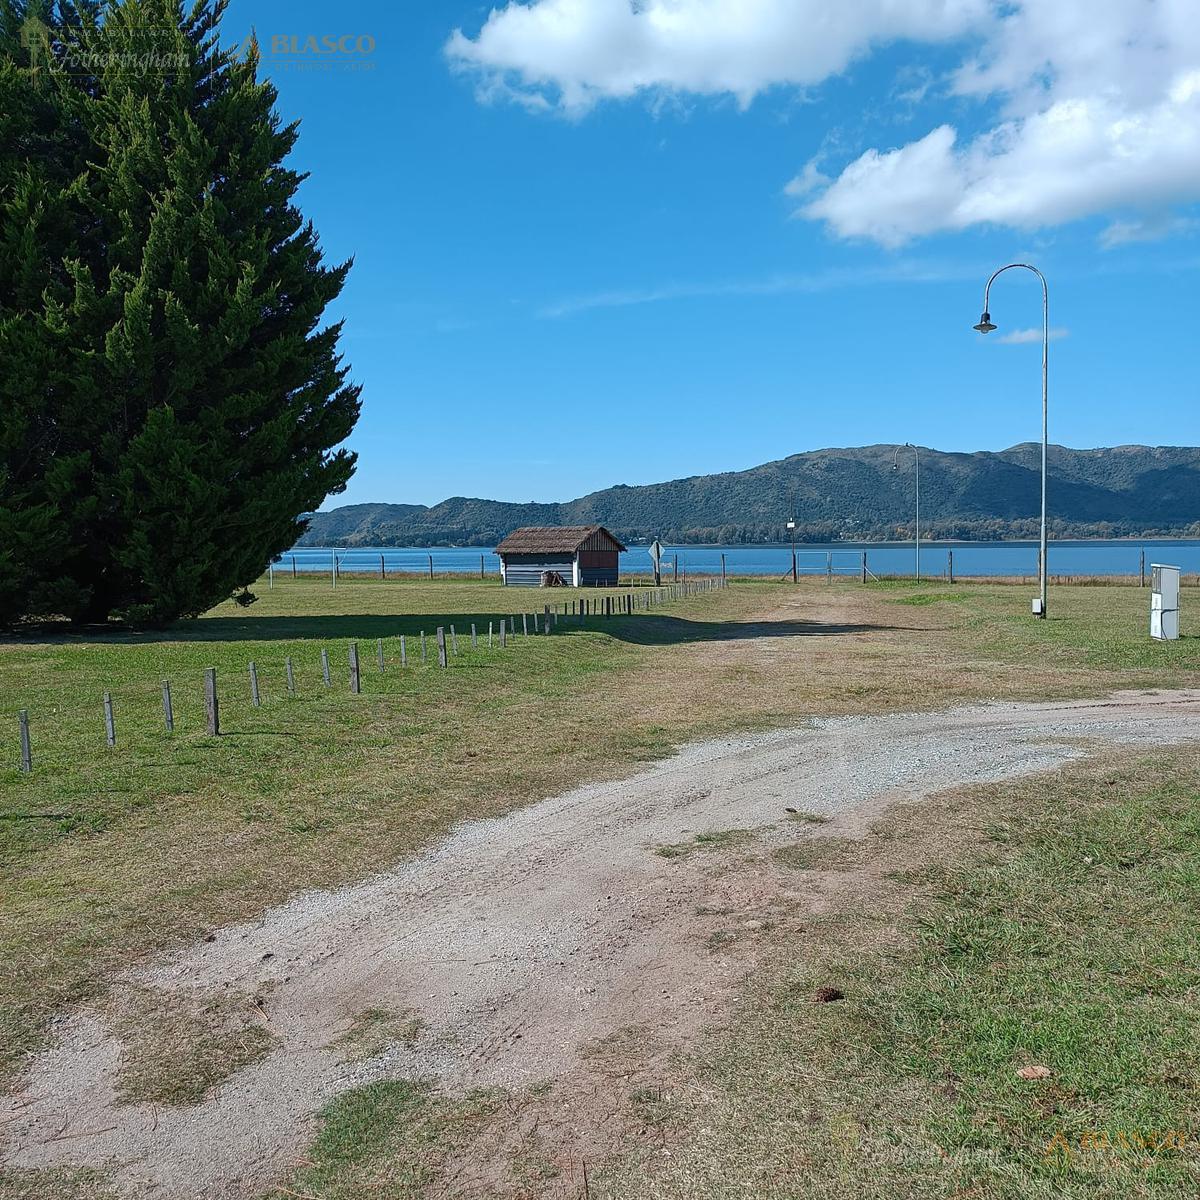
(177,1047)
(717,839)
(824,854)
(56,1185)
(375,1029)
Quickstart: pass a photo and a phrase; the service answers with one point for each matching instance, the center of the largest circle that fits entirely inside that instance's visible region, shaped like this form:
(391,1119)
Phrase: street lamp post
(985,326)
(792,528)
(896,467)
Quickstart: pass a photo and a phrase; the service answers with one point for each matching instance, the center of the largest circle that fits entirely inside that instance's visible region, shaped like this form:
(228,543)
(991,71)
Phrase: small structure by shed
(559,555)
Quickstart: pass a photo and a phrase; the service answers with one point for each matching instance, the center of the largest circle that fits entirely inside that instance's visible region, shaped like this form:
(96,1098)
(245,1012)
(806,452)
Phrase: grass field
(111,854)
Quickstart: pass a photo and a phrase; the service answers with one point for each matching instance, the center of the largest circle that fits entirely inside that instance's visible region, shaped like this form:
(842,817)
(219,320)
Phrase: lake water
(883,558)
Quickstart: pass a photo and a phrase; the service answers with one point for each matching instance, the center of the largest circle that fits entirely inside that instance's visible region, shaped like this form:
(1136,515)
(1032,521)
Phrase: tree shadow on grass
(645,629)
(668,630)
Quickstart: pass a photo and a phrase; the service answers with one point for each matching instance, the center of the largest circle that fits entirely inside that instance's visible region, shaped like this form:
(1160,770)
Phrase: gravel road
(522,940)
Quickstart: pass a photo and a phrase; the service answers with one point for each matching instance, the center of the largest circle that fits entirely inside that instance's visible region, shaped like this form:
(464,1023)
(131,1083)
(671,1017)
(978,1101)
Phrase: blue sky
(643,246)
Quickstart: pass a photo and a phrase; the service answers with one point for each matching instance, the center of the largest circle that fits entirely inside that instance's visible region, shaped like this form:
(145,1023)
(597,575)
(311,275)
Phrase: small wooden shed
(560,555)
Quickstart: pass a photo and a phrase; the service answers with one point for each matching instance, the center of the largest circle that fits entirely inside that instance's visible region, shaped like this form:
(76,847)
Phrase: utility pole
(896,467)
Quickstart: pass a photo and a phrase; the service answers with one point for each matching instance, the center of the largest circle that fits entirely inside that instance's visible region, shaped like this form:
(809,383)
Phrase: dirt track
(521,941)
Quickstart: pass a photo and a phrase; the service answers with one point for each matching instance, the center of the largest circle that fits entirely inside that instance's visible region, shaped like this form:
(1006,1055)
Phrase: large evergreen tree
(170,402)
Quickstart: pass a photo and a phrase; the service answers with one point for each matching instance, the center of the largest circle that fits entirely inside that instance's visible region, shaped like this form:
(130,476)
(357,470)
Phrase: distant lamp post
(896,467)
(792,529)
(985,326)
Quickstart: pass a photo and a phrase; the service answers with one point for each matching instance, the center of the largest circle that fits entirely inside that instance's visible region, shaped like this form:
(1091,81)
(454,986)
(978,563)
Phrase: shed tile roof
(551,539)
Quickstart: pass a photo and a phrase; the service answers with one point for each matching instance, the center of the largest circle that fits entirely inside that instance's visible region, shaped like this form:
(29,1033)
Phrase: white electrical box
(1164,602)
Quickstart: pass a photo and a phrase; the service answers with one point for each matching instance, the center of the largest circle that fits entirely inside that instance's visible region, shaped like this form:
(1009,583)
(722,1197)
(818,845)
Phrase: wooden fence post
(168,711)
(212,707)
(722,568)
(26,751)
(453,641)
(441,645)
(325,667)
(949,566)
(546,619)
(489,635)
(503,641)
(422,646)
(254,696)
(355,681)
(109,726)
(525,624)
(382,568)
(403,652)
(293,566)
(474,637)
(379,652)
(431,566)
(291,675)
(864,566)
(481,566)
(1142,569)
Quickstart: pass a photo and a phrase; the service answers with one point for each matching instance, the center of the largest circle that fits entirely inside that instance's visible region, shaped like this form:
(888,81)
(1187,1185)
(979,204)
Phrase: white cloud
(886,197)
(578,52)
(1146,229)
(1098,103)
(1022,337)
(1101,112)
(809,180)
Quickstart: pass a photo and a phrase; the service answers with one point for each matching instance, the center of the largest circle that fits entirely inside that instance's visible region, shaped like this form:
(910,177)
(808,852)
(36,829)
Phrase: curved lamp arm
(985,321)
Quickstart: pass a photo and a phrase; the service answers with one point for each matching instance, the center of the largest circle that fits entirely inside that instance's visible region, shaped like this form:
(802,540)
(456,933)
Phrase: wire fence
(1074,559)
(335,565)
(195,701)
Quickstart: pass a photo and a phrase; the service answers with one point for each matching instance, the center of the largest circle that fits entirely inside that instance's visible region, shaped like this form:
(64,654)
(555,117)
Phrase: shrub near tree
(170,402)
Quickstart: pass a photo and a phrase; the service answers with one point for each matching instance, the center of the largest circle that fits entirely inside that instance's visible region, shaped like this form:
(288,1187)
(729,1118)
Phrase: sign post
(656,551)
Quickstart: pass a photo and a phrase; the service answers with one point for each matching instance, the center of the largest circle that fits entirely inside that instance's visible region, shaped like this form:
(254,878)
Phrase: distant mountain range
(850,494)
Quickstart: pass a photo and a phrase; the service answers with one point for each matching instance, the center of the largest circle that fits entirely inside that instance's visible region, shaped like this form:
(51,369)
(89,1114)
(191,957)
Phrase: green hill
(847,494)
